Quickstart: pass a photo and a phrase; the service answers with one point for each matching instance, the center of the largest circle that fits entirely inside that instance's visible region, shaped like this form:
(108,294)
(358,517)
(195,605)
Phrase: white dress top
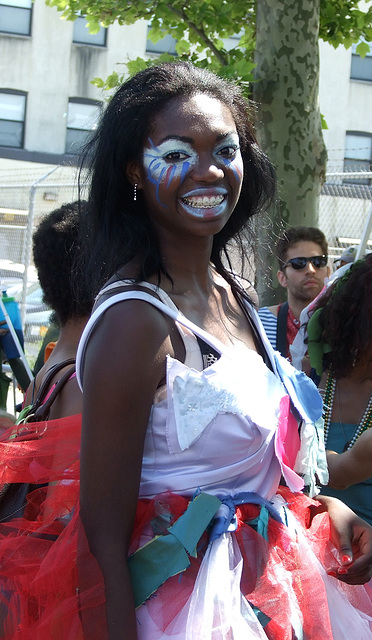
(214,429)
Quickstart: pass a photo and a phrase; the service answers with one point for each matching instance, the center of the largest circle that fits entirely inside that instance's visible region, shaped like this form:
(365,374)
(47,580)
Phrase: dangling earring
(135,192)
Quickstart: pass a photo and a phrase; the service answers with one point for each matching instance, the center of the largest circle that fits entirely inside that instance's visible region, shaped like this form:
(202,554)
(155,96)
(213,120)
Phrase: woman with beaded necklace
(343,331)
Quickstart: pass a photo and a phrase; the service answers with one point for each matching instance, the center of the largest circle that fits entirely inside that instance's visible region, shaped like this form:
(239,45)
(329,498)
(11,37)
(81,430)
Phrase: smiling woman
(173,158)
(191,422)
(195,166)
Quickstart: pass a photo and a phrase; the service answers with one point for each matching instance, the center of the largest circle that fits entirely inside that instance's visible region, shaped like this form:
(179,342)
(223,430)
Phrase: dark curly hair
(298,234)
(55,250)
(118,228)
(345,318)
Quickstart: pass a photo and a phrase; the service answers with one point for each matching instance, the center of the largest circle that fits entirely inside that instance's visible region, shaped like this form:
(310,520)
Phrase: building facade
(48,106)
(47,100)
(345,95)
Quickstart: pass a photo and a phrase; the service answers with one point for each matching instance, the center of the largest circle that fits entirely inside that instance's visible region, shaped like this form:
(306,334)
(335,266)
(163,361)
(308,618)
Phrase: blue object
(8,344)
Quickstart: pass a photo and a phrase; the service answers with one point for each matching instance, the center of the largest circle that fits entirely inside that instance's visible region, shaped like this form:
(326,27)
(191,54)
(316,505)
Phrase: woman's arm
(352,466)
(352,536)
(125,361)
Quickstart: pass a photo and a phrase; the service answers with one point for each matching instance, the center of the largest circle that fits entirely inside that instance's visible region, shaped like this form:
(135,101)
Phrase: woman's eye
(176,156)
(228,152)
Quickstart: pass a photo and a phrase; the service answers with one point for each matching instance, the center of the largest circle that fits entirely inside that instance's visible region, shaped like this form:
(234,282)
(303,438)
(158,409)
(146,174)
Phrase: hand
(352,537)
(306,365)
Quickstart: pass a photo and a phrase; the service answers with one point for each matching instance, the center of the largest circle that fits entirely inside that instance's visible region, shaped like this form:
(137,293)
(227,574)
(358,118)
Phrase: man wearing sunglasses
(302,254)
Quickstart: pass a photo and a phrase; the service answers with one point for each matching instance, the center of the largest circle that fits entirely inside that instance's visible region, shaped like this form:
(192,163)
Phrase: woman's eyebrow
(189,140)
(175,137)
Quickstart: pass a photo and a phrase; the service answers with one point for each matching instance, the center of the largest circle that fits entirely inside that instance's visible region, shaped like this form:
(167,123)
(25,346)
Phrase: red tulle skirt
(51,586)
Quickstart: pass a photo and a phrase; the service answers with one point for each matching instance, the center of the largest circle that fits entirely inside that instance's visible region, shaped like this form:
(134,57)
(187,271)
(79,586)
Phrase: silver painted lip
(205,212)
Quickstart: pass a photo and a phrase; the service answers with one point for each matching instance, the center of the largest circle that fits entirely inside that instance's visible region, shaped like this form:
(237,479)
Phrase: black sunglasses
(300,263)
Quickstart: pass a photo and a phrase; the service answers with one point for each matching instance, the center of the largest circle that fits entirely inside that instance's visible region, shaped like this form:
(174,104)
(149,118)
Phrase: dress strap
(146,285)
(194,357)
(175,314)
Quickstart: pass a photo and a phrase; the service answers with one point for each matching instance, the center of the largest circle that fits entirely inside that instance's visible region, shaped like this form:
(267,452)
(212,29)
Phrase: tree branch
(201,33)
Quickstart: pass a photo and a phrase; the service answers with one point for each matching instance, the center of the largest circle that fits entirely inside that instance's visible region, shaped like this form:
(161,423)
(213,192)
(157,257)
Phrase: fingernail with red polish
(342,571)
(332,573)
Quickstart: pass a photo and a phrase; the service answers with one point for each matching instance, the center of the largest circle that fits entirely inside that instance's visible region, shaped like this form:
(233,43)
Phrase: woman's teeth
(205,202)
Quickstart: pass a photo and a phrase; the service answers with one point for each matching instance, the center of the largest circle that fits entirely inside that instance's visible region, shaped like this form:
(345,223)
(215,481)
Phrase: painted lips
(205,203)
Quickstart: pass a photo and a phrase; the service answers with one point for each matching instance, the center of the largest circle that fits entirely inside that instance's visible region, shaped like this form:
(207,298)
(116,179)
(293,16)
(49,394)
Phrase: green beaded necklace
(329,395)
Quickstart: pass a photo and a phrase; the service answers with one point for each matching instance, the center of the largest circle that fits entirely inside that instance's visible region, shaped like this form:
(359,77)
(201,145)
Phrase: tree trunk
(289,124)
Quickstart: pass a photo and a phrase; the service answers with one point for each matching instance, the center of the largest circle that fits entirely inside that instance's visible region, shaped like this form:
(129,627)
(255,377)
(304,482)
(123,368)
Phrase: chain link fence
(24,201)
(25,197)
(345,210)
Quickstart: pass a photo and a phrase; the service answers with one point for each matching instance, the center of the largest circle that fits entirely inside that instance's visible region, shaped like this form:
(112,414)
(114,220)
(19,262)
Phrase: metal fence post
(28,239)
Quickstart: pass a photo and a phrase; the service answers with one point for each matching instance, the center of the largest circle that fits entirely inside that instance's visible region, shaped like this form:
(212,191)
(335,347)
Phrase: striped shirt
(269,322)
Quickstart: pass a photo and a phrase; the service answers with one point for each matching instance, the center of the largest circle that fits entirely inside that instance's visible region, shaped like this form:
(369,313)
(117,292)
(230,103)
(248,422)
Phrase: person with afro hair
(56,248)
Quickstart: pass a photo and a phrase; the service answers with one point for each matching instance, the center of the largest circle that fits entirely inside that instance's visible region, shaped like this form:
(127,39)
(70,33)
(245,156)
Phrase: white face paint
(173,159)
(169,160)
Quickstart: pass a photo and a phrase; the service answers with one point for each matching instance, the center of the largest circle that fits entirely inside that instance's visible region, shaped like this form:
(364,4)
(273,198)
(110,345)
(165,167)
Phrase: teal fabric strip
(263,523)
(263,619)
(166,556)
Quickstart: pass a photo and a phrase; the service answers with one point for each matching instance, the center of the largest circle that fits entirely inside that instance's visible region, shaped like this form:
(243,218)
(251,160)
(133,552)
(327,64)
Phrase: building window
(15,17)
(83,36)
(12,118)
(361,68)
(82,119)
(358,155)
(165,45)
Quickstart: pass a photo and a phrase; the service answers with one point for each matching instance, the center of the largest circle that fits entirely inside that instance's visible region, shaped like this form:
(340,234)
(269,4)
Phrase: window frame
(15,8)
(22,122)
(157,48)
(358,65)
(355,164)
(87,43)
(81,101)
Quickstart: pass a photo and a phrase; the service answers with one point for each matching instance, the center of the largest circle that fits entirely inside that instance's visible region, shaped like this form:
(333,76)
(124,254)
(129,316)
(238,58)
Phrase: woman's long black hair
(117,228)
(345,319)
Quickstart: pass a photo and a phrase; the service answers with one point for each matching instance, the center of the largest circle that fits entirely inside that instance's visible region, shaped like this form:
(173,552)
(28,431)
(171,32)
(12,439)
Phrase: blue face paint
(170,160)
(174,158)
(233,160)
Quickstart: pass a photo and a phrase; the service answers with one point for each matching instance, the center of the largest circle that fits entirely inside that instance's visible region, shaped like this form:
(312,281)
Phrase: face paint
(172,160)
(168,161)
(233,159)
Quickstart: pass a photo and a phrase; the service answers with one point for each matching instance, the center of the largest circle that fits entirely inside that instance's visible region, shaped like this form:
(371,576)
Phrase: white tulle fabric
(216,609)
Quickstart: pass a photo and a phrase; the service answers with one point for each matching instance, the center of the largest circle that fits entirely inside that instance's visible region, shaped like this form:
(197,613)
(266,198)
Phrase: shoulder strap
(42,412)
(281,330)
(118,284)
(146,297)
(45,385)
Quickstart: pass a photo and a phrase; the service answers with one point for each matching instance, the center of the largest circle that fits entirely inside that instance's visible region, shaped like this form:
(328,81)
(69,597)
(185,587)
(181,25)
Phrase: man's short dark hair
(299,234)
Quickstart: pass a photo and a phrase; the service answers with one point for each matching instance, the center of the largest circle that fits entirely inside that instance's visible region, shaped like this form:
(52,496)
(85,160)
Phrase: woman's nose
(207,169)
